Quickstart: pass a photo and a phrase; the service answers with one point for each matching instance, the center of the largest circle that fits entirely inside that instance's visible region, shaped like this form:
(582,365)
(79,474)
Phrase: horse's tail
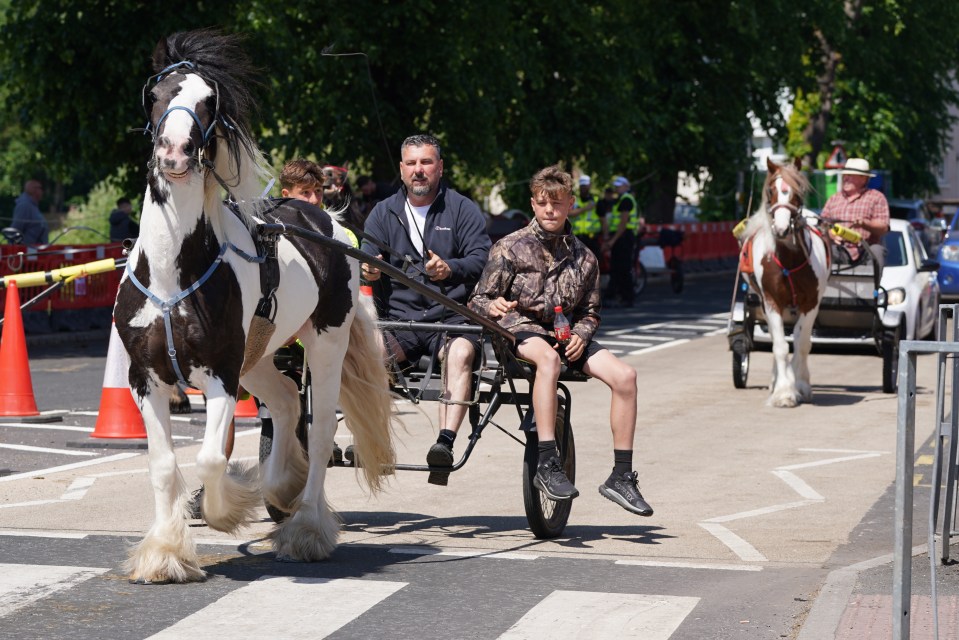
(366,400)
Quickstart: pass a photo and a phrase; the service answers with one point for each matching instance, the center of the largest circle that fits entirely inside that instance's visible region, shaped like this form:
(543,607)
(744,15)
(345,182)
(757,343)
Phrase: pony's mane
(221,61)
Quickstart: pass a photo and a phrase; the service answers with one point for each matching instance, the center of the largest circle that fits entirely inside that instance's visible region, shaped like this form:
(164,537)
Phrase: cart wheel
(547,518)
(890,360)
(740,363)
(676,279)
(639,278)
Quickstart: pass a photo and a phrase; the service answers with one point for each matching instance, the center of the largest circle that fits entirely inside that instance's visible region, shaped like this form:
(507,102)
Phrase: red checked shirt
(868,206)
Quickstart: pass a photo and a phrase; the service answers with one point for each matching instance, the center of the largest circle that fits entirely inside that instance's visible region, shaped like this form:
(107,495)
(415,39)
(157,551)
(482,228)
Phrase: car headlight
(895,296)
(949,253)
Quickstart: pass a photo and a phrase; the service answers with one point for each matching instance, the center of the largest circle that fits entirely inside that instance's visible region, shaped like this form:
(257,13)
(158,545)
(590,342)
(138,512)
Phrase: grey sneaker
(624,490)
(551,480)
(193,506)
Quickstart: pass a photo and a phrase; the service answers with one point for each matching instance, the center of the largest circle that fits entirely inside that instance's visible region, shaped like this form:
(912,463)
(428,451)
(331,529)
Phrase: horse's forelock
(219,59)
(796,179)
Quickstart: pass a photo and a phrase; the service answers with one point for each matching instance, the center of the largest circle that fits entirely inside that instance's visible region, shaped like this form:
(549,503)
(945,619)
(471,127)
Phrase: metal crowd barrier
(947,433)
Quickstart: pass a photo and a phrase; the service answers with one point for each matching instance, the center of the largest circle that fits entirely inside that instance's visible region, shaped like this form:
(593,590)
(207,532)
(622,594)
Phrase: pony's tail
(366,400)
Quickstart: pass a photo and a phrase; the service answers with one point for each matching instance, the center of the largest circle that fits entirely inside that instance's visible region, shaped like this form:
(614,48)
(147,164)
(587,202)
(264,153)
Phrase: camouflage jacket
(541,270)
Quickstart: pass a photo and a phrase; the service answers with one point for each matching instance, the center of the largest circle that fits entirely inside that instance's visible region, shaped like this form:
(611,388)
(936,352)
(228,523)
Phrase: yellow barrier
(38,278)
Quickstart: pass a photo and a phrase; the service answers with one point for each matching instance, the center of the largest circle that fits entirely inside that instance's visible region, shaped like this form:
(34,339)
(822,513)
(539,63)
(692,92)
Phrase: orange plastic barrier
(90,292)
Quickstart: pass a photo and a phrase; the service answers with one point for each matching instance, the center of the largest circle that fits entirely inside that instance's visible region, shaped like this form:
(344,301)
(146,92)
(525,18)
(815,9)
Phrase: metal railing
(946,436)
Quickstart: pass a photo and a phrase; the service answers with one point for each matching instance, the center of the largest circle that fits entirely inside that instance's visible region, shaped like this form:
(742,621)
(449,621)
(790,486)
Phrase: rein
(167,306)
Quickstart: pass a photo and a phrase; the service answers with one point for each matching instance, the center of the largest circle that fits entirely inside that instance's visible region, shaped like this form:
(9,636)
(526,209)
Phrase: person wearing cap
(587,225)
(619,238)
(859,208)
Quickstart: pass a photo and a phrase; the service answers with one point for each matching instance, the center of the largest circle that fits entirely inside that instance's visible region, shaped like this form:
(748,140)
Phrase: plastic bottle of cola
(561,326)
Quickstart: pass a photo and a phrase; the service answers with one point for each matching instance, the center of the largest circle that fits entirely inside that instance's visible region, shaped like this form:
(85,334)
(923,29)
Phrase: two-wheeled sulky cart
(499,380)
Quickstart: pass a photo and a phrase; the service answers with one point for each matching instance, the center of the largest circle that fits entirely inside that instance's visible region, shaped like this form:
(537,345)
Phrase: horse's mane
(759,222)
(221,61)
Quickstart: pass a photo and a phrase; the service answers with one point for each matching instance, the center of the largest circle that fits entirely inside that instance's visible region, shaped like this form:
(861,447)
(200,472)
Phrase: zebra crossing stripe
(24,584)
(283,607)
(572,615)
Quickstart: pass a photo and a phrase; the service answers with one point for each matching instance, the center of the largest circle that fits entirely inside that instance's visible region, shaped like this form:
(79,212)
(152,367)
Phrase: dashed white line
(61,452)
(68,467)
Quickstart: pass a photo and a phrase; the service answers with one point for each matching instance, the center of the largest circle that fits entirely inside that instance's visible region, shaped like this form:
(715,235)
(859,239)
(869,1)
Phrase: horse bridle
(207,134)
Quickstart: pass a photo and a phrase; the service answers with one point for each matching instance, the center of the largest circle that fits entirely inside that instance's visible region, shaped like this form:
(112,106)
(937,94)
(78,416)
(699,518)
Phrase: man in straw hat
(859,208)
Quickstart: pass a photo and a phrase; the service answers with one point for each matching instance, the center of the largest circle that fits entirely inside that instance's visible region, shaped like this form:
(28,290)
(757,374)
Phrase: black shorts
(416,344)
(592,348)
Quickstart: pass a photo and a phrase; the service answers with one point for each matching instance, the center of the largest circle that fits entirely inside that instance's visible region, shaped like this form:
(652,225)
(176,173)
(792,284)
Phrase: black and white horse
(187,310)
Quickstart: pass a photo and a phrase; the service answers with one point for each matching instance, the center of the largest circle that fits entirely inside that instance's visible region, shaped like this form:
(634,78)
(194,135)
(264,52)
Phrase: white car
(910,281)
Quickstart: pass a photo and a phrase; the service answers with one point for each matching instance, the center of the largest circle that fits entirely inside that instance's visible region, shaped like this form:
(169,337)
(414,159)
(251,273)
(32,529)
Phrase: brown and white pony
(187,308)
(790,269)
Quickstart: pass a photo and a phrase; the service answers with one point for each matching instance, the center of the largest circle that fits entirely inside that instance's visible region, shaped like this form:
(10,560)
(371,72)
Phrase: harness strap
(167,306)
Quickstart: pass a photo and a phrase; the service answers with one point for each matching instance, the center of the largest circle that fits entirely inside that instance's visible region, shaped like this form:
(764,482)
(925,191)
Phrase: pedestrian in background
(622,223)
(587,225)
(27,217)
(122,224)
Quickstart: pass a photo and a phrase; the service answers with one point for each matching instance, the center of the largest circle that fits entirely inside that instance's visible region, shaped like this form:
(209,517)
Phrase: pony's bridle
(207,133)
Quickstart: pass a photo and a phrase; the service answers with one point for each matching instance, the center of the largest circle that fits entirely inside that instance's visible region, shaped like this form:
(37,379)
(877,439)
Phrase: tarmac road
(755,507)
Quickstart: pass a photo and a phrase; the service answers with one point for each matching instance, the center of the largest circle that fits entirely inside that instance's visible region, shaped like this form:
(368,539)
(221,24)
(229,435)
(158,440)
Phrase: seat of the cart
(499,379)
(850,305)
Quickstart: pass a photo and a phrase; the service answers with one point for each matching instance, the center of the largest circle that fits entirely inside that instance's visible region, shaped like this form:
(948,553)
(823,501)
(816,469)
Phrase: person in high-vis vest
(619,238)
(586,222)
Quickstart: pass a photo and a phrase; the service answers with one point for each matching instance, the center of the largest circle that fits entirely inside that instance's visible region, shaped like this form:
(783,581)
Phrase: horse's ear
(797,162)
(770,165)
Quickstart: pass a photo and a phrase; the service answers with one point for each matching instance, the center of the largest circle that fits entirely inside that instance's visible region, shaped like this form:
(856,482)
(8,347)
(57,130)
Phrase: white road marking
(68,467)
(24,584)
(43,534)
(311,607)
(666,345)
(61,452)
(737,545)
(29,503)
(49,427)
(762,511)
(745,550)
(691,565)
(798,485)
(78,488)
(572,615)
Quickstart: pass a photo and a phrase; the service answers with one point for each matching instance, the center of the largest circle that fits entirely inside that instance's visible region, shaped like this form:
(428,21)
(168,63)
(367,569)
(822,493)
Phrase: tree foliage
(641,88)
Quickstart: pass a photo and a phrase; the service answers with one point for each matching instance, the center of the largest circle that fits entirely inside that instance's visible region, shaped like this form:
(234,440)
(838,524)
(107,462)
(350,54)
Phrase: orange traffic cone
(16,387)
(245,408)
(119,416)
